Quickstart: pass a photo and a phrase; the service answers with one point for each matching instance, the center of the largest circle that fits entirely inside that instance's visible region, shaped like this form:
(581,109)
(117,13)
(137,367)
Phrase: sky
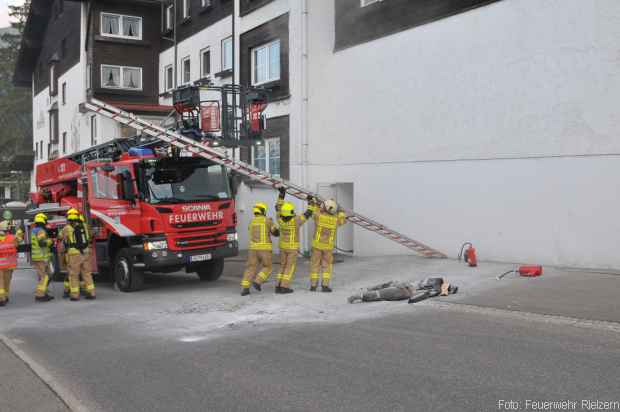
(4,11)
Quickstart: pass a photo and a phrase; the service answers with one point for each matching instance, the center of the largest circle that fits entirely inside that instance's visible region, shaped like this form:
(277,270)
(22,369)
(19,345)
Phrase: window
(53,85)
(64,142)
(169,17)
(187,70)
(266,157)
(205,3)
(227,54)
(205,62)
(64,93)
(168,78)
(369,2)
(117,25)
(93,130)
(54,126)
(266,63)
(186,9)
(121,77)
(108,185)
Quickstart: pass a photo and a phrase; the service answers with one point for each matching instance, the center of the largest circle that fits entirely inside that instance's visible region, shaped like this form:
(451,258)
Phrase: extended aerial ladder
(221,157)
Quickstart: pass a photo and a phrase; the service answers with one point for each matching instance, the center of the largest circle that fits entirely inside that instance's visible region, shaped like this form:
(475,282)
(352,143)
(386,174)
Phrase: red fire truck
(150,208)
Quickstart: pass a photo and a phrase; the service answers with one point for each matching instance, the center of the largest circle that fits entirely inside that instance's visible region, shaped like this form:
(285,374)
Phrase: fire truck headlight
(156,245)
(232,237)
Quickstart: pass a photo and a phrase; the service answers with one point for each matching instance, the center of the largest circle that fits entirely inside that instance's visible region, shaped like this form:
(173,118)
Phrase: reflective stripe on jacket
(325,231)
(8,252)
(40,253)
(289,232)
(260,233)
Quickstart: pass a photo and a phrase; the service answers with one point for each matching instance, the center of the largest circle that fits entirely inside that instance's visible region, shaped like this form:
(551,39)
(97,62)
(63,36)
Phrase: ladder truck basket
(222,158)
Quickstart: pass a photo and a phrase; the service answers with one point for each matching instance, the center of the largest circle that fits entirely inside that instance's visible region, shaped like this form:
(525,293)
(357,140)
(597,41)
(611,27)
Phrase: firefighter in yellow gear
(41,255)
(327,220)
(67,286)
(288,225)
(76,238)
(261,229)
(8,260)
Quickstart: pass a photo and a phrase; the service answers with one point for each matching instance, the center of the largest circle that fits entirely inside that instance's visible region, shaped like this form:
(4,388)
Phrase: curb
(66,397)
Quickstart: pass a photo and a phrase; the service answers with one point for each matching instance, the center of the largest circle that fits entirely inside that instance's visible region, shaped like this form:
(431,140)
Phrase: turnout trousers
(43,279)
(257,259)
(80,264)
(5,283)
(288,265)
(321,260)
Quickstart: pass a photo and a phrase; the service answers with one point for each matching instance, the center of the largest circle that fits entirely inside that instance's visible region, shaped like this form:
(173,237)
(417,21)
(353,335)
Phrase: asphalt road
(189,347)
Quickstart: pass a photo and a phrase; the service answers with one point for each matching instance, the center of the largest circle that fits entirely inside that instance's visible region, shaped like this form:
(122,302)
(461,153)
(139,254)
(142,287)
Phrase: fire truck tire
(211,271)
(126,276)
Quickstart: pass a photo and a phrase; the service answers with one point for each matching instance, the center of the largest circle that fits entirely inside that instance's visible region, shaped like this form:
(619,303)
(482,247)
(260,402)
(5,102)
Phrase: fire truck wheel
(127,278)
(211,271)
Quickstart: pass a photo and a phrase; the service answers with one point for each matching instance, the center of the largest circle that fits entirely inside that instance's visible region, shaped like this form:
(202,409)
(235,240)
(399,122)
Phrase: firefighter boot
(326,289)
(45,298)
(245,291)
(285,291)
(257,286)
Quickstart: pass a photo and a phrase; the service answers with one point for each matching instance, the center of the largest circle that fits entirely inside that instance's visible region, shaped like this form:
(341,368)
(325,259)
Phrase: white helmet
(331,206)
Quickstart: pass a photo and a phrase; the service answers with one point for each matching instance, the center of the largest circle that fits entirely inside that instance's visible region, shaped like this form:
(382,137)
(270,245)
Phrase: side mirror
(129,192)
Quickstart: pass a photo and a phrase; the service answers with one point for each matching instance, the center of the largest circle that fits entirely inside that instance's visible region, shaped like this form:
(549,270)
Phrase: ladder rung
(250,171)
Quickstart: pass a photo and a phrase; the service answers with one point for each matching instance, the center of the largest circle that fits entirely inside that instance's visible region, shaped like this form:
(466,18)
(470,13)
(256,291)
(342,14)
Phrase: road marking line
(64,395)
(527,316)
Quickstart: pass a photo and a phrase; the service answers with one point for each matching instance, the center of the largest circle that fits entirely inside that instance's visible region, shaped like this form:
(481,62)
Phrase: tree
(15,105)
(15,102)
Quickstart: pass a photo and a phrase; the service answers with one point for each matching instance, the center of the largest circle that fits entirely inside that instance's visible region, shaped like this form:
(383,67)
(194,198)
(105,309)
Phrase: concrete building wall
(497,126)
(249,194)
(211,38)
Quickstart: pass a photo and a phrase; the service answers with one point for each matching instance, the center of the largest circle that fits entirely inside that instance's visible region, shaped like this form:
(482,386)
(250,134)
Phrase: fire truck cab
(149,208)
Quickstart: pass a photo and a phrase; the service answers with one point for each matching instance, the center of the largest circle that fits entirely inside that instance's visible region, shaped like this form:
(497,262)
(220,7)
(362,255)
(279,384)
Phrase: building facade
(75,50)
(490,121)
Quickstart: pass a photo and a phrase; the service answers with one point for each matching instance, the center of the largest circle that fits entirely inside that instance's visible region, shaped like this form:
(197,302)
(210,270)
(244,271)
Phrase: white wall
(406,117)
(210,37)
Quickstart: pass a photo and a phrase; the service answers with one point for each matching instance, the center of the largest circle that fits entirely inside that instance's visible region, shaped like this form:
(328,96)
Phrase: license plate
(200,258)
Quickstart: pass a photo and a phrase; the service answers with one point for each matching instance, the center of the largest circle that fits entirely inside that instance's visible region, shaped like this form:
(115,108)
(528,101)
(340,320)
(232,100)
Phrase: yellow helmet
(73,211)
(260,208)
(73,217)
(287,210)
(331,206)
(40,218)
